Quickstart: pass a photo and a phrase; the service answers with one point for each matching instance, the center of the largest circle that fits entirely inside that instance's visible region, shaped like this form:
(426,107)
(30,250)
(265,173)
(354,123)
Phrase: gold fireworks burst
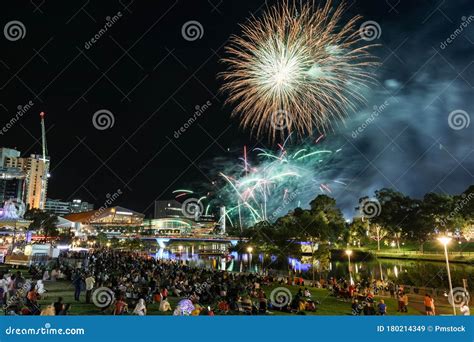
(296,69)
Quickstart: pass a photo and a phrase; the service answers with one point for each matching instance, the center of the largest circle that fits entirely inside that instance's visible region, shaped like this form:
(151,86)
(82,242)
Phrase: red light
(42,114)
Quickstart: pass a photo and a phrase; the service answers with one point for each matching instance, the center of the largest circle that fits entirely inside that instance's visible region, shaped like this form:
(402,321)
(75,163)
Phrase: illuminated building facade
(62,208)
(37,171)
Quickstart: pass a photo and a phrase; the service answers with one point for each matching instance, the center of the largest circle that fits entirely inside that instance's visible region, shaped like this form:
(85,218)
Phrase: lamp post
(349,253)
(180,248)
(445,240)
(249,250)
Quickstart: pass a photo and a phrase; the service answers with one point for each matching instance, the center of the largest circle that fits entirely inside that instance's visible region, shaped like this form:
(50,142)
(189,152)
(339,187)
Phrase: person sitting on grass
(32,301)
(58,305)
(223,306)
(262,302)
(48,311)
(301,305)
(120,307)
(369,309)
(40,288)
(247,305)
(65,310)
(356,308)
(165,306)
(382,308)
(310,305)
(140,308)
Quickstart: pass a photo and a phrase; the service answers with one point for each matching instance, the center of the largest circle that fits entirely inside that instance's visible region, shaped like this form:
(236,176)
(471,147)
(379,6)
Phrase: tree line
(388,215)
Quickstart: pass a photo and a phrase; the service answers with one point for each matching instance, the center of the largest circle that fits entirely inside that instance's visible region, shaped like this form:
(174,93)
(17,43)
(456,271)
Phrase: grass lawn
(329,305)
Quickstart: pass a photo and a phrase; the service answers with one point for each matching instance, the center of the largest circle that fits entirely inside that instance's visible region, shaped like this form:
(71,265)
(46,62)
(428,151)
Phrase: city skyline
(156,84)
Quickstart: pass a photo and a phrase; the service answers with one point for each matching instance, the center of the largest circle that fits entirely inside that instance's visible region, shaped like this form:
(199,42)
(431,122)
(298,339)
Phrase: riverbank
(461,258)
(457,253)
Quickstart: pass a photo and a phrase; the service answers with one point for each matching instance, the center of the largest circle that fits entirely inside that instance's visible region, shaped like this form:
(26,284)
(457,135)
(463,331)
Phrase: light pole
(445,240)
(349,253)
(249,250)
(180,248)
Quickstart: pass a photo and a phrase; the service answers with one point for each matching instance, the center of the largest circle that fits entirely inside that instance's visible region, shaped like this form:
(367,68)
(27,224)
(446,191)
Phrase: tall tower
(45,168)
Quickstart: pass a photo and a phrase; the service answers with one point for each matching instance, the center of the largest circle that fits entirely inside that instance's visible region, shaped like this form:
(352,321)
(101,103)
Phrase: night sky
(151,79)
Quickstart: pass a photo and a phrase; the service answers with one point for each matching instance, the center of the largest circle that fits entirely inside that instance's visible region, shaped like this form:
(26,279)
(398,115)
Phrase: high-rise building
(7,153)
(57,207)
(37,171)
(12,182)
(62,208)
(12,179)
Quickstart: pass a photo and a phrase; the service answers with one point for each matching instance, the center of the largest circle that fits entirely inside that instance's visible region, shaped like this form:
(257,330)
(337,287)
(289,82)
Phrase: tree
(320,226)
(419,223)
(43,221)
(102,239)
(442,213)
(465,203)
(357,229)
(369,210)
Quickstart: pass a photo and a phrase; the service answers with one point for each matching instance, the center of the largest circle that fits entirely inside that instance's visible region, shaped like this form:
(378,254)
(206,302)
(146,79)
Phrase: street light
(445,240)
(249,250)
(349,253)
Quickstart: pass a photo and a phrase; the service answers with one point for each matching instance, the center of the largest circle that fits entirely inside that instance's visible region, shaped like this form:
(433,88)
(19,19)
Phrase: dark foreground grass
(329,305)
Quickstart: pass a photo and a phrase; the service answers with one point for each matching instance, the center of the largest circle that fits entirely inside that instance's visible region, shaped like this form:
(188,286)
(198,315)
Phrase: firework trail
(277,182)
(296,69)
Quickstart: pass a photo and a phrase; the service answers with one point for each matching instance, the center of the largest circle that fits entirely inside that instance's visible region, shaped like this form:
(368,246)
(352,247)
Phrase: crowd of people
(133,282)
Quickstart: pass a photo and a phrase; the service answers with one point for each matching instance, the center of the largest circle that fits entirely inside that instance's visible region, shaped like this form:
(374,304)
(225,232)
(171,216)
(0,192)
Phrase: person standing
(90,282)
(77,282)
(400,301)
(429,305)
(405,302)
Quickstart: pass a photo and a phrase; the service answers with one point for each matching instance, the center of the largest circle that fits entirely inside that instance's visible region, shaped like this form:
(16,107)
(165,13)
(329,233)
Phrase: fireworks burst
(277,182)
(295,69)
